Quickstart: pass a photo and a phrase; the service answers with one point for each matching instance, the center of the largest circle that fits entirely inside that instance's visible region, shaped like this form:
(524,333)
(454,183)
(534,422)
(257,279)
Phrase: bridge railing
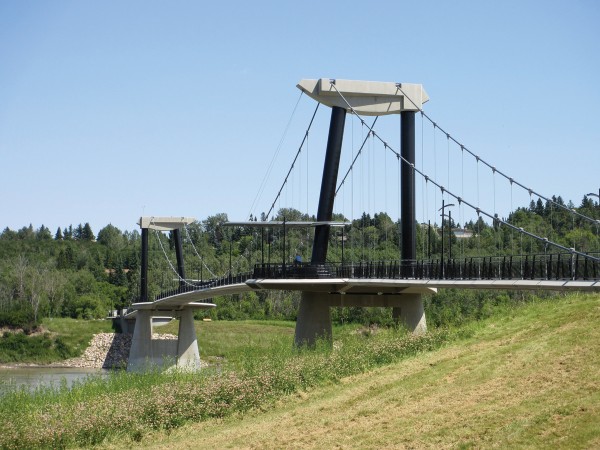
(557,266)
(195,285)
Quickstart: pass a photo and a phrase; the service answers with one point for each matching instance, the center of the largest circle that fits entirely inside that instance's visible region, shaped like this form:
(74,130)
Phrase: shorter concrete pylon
(314,315)
(151,354)
(188,355)
(141,356)
(411,313)
(314,319)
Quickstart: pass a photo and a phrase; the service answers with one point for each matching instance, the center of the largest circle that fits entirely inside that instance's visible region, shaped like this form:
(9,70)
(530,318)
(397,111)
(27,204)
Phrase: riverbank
(105,351)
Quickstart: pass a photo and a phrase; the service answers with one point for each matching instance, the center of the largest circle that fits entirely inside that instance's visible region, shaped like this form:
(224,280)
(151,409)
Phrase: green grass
(89,413)
(77,333)
(61,339)
(225,341)
(527,377)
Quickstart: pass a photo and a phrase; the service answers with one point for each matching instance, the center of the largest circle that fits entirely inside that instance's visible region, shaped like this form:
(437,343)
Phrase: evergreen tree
(58,236)
(111,237)
(8,234)
(87,233)
(78,233)
(68,233)
(539,207)
(43,233)
(66,259)
(26,233)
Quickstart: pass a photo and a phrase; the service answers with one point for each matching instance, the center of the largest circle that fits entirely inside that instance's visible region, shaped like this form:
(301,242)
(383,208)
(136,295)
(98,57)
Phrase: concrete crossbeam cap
(165,223)
(369,98)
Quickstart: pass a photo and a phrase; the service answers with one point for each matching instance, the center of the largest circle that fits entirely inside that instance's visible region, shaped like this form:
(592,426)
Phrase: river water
(32,377)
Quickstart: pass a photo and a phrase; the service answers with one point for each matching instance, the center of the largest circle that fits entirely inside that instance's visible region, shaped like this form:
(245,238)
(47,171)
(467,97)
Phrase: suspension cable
(294,161)
(355,158)
(460,199)
(277,150)
(512,180)
(168,260)
(187,233)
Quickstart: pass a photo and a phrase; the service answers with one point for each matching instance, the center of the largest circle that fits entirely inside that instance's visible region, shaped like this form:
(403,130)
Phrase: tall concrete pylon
(369,98)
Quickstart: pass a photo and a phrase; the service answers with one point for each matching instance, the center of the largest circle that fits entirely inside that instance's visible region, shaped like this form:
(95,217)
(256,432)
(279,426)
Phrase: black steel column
(328,184)
(144,269)
(179,255)
(407,203)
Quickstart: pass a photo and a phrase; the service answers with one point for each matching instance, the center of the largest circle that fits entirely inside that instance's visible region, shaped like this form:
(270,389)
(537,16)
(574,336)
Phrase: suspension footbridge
(365,278)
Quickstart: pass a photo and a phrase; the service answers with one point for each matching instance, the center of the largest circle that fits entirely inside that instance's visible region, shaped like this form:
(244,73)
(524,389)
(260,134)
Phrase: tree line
(75,273)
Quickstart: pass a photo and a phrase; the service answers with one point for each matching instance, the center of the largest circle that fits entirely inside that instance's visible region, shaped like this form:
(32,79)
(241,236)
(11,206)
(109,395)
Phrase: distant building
(461,233)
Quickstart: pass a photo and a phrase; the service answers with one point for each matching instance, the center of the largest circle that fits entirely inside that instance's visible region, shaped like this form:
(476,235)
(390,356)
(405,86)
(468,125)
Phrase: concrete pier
(188,355)
(314,319)
(411,313)
(148,354)
(314,315)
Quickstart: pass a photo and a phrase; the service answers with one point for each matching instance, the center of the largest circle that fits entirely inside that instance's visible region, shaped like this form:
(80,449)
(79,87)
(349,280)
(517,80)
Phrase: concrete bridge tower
(369,99)
(148,353)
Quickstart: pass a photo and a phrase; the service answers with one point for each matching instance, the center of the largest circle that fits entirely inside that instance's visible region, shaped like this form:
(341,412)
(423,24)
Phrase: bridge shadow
(118,352)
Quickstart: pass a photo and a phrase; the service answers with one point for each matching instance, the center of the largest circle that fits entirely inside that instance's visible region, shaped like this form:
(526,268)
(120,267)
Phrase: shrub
(17,347)
(18,318)
(87,306)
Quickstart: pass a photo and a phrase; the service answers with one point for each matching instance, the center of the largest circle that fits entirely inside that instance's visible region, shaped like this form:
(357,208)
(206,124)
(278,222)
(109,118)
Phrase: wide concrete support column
(411,313)
(140,354)
(314,319)
(188,356)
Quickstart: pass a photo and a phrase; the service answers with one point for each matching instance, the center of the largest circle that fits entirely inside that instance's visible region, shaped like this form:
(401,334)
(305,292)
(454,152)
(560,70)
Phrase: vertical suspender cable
(362,201)
(496,224)
(448,161)
(460,205)
(307,179)
(478,216)
(353,243)
(399,207)
(422,191)
(385,191)
(512,231)
(434,164)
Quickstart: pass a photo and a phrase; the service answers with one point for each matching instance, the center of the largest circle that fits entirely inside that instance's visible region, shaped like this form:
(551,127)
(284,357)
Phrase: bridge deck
(371,286)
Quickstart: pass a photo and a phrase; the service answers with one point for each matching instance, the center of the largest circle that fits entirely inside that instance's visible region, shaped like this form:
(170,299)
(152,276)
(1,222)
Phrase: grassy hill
(528,378)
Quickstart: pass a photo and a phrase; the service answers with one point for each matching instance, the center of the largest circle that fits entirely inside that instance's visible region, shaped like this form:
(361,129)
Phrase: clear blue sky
(110,110)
